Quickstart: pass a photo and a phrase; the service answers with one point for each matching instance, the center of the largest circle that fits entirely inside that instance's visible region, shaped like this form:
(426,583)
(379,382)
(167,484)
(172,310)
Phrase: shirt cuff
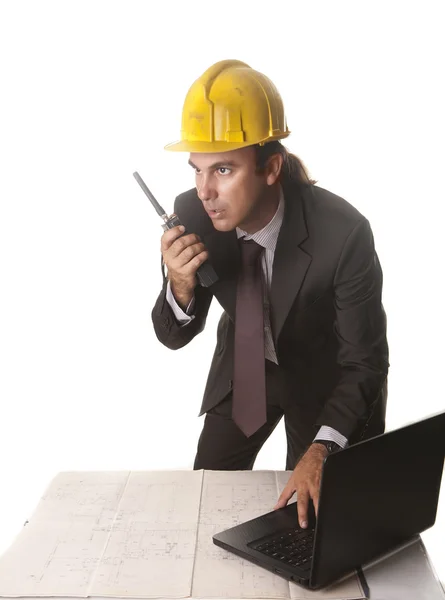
(332,435)
(182,317)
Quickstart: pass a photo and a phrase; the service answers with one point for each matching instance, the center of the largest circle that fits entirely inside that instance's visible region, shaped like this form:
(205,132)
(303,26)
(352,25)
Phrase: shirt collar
(268,236)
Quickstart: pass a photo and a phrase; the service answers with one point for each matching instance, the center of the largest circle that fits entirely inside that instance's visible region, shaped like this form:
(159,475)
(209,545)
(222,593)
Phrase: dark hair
(293,168)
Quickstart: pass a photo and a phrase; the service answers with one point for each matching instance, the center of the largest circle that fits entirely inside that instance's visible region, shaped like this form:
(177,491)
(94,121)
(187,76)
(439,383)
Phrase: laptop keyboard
(292,547)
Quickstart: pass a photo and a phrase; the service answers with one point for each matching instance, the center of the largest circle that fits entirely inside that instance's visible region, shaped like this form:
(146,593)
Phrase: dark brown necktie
(249,379)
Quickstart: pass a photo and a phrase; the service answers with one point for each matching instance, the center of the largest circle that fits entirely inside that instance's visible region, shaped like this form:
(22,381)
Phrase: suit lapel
(290,261)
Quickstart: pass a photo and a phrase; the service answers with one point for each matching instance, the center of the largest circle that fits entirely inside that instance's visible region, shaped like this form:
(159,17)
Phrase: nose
(204,189)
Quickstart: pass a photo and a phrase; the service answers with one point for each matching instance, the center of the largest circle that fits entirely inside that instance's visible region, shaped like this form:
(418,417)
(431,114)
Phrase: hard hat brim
(186,146)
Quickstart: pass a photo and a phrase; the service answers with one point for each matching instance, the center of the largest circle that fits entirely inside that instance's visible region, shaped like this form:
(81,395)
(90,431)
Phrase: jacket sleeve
(168,329)
(360,327)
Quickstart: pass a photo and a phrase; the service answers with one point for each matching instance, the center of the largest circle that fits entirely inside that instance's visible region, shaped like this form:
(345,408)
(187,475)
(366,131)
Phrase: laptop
(374,496)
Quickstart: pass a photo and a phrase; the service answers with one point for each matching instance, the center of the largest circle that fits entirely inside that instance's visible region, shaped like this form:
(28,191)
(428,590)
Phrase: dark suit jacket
(328,323)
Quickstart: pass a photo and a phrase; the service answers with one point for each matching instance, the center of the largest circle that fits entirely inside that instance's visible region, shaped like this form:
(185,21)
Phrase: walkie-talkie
(205,273)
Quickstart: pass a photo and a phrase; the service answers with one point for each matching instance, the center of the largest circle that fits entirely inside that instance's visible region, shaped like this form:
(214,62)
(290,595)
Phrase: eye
(224,169)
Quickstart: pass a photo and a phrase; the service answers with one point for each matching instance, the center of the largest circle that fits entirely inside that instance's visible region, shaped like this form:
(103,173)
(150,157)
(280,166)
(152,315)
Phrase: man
(303,332)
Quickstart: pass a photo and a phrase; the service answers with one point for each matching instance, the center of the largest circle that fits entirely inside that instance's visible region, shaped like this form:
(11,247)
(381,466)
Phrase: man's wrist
(183,299)
(183,318)
(329,445)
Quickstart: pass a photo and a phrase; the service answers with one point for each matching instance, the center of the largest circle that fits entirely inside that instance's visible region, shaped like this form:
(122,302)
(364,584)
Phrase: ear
(273,168)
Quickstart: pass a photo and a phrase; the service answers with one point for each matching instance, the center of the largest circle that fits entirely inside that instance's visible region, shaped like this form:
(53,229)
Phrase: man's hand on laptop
(305,480)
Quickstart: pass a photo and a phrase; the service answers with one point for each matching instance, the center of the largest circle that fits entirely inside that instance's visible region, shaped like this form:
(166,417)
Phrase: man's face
(232,193)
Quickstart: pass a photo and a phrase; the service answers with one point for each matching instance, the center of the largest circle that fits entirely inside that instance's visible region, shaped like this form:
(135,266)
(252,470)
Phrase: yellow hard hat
(229,107)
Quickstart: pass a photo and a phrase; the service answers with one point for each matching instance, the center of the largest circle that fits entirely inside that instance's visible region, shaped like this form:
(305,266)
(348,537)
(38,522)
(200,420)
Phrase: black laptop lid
(376,495)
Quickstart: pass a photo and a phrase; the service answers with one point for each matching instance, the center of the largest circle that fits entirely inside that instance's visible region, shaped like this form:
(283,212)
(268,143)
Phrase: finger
(186,262)
(170,236)
(314,489)
(302,507)
(193,265)
(315,497)
(284,498)
(181,243)
(188,254)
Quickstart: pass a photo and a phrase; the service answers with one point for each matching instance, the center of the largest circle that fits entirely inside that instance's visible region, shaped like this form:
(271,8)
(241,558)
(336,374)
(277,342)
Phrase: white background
(92,91)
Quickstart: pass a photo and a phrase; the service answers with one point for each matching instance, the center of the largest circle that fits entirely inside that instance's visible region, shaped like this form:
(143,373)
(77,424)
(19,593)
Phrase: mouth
(213,214)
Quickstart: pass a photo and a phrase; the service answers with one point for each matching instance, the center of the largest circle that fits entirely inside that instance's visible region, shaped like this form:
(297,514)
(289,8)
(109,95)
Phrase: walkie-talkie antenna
(158,208)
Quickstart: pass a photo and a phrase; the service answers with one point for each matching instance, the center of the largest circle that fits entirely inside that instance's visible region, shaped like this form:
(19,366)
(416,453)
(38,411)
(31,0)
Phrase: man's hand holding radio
(183,255)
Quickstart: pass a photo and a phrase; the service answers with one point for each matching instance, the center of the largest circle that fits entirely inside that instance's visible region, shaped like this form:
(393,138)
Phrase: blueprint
(230,498)
(147,534)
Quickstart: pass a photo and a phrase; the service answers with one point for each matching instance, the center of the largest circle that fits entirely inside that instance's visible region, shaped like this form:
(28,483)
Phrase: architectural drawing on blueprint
(230,498)
(60,547)
(151,547)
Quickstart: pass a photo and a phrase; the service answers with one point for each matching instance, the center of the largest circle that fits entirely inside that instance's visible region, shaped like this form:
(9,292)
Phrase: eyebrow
(217,165)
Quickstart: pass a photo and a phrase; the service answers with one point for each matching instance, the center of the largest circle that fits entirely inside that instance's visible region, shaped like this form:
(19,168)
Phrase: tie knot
(250,252)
